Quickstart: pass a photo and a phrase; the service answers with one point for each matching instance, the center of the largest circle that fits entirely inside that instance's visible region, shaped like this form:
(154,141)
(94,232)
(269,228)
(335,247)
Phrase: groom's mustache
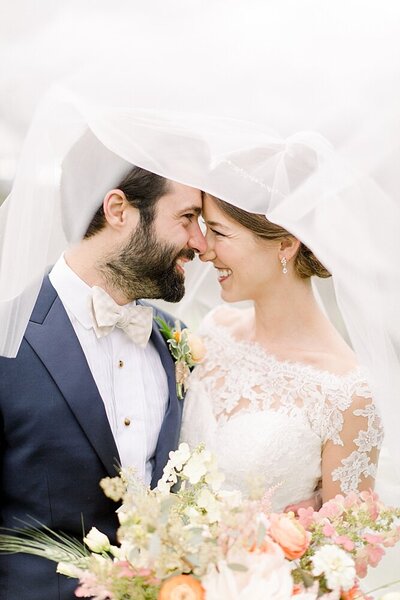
(186,253)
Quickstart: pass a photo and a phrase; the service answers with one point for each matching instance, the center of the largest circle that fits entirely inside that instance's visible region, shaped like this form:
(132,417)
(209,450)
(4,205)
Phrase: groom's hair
(142,190)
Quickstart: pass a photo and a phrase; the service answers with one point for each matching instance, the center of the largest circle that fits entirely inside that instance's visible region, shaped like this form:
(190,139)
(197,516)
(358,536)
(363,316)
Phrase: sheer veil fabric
(197,95)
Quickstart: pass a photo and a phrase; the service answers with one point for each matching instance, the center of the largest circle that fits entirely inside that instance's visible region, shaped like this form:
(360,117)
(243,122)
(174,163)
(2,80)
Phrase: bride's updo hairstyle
(306,264)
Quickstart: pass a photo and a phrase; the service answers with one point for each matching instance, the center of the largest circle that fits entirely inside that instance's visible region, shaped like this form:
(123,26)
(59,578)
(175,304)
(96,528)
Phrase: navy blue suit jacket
(56,444)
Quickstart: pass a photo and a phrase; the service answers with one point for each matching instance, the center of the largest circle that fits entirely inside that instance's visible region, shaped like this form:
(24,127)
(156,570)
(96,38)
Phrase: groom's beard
(146,268)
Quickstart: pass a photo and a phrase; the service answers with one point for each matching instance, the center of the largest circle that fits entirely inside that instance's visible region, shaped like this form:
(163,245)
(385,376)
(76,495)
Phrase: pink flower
(332,508)
(373,538)
(344,541)
(306,516)
(361,566)
(125,569)
(90,588)
(351,500)
(374,554)
(328,530)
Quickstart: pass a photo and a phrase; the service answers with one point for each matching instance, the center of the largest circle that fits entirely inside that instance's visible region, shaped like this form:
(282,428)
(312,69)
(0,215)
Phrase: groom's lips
(184,257)
(180,264)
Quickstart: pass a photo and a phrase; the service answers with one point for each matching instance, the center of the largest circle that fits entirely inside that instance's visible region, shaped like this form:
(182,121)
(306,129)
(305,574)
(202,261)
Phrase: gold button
(127,421)
(120,364)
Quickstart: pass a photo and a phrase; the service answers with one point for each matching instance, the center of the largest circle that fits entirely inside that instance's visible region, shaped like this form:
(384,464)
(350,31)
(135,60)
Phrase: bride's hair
(306,263)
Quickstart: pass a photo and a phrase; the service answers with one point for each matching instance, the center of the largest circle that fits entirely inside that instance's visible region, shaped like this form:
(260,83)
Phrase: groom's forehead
(184,196)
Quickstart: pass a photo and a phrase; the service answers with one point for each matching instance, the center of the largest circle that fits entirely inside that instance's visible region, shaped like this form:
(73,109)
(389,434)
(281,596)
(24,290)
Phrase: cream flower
(208,501)
(97,541)
(196,345)
(179,457)
(336,565)
(196,467)
(266,577)
(69,570)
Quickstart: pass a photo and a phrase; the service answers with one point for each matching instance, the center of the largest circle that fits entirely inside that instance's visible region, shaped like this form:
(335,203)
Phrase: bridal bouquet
(203,542)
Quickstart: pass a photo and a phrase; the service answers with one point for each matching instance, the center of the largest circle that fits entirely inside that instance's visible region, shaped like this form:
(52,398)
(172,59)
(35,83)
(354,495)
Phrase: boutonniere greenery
(186,349)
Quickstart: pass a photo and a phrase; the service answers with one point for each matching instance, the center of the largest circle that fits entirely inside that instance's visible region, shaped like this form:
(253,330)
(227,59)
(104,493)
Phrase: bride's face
(247,266)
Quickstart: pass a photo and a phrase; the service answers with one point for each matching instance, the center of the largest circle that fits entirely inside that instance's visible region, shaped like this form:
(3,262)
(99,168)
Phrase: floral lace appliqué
(243,380)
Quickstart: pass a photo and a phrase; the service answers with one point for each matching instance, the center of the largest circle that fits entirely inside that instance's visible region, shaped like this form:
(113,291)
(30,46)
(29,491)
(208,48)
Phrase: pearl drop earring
(284,263)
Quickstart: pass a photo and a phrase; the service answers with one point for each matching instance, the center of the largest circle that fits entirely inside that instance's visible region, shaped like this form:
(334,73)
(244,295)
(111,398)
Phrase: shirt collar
(74,293)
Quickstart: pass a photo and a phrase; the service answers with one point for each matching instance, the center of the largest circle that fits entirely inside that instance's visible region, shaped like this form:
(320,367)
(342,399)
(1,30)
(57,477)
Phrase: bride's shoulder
(225,316)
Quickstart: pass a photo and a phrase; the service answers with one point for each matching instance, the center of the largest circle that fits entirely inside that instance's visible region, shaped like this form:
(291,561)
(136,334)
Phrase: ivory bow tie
(135,320)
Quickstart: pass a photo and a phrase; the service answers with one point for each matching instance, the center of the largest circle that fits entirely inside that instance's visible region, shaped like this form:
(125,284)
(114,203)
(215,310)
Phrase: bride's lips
(223,274)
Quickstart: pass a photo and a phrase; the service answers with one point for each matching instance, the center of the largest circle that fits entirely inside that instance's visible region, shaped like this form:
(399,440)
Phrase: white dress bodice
(267,420)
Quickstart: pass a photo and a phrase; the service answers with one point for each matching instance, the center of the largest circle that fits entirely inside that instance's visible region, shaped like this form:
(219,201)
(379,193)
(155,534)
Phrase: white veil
(204,116)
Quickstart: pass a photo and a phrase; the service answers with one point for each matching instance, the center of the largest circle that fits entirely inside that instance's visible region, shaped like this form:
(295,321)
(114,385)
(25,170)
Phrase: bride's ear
(289,247)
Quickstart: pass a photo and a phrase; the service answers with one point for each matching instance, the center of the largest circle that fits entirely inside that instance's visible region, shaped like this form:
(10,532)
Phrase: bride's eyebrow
(215,224)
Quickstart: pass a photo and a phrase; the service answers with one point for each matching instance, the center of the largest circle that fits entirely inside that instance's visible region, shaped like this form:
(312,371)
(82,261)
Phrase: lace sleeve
(351,449)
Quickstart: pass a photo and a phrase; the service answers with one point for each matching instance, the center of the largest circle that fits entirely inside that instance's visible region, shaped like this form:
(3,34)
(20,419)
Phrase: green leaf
(165,329)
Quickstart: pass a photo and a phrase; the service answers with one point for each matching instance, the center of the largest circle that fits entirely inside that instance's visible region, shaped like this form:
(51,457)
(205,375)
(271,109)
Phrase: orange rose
(181,587)
(289,534)
(352,594)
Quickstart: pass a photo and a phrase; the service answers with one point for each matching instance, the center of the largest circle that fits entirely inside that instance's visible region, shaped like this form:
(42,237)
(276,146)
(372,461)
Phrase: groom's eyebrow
(194,209)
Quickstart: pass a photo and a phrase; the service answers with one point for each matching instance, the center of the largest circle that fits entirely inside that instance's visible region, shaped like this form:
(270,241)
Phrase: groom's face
(152,262)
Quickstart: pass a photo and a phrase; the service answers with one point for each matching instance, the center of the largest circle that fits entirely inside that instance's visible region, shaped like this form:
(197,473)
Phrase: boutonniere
(187,350)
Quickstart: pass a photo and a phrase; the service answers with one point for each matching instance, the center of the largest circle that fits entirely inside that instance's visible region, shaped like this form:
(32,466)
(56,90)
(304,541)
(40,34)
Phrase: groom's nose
(197,241)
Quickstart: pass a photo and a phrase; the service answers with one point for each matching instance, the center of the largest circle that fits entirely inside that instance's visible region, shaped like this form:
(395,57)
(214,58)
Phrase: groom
(93,384)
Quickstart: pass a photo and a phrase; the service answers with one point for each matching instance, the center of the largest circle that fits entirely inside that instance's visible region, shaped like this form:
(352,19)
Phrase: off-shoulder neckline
(356,373)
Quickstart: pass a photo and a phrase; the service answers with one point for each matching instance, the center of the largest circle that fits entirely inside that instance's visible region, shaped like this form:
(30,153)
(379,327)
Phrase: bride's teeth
(224,273)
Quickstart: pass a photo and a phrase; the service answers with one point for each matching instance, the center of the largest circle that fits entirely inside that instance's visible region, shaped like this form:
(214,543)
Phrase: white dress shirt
(131,380)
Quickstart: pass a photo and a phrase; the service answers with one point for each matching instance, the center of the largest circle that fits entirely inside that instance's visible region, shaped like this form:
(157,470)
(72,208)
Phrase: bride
(280,398)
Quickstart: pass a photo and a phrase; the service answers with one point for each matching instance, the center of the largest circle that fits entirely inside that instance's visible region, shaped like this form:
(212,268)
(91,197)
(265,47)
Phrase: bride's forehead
(210,207)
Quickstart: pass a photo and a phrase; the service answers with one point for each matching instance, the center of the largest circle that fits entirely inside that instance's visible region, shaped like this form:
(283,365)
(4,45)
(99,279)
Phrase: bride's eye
(217,232)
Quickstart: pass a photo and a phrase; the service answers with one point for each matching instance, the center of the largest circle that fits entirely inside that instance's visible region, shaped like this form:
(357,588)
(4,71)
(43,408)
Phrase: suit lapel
(169,433)
(53,338)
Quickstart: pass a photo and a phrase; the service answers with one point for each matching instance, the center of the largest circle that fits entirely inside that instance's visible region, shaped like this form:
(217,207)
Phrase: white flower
(265,577)
(208,501)
(192,513)
(196,467)
(69,570)
(116,552)
(336,565)
(163,486)
(178,458)
(97,541)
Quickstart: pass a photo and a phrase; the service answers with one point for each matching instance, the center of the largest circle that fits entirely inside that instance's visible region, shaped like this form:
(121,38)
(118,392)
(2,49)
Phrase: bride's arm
(350,453)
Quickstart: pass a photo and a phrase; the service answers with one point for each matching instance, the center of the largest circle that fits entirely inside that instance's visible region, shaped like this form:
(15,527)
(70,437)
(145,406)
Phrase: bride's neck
(287,312)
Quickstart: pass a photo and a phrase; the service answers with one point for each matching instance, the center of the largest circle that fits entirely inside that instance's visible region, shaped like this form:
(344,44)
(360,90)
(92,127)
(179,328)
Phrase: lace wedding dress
(267,420)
